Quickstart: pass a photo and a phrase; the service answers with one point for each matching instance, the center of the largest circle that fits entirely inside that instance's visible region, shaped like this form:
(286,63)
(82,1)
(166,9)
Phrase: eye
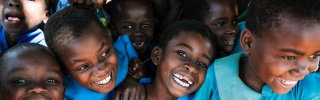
(127,27)
(288,57)
(145,25)
(202,64)
(182,54)
(51,81)
(314,56)
(104,54)
(83,67)
(234,22)
(220,24)
(20,81)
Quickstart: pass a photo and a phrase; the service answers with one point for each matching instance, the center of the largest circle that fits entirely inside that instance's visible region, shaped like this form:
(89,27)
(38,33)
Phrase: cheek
(13,93)
(82,78)
(57,92)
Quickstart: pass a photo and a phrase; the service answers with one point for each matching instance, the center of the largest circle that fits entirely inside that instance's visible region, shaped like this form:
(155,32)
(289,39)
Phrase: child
(135,19)
(220,16)
(30,71)
(281,41)
(84,47)
(182,57)
(20,21)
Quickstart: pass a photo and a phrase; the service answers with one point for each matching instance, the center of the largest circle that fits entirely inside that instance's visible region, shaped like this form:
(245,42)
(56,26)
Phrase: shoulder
(308,88)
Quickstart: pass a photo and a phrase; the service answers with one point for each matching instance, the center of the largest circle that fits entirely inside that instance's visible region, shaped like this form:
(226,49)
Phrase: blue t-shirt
(125,53)
(33,36)
(222,82)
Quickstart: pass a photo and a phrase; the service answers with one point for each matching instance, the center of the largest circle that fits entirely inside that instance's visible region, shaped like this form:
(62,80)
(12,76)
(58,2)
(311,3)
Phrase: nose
(37,88)
(15,3)
(191,68)
(137,31)
(303,68)
(99,69)
(232,30)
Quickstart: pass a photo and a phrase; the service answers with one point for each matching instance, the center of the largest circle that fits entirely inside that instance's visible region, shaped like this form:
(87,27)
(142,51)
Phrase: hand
(136,69)
(130,89)
(95,3)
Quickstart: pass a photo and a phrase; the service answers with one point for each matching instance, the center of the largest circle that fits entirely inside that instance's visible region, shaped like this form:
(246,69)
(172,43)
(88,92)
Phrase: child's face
(183,65)
(135,20)
(283,56)
(91,60)
(18,16)
(223,23)
(32,75)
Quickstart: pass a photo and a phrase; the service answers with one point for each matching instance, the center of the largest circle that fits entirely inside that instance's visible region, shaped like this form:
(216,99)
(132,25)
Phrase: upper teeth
(288,82)
(138,44)
(104,81)
(178,79)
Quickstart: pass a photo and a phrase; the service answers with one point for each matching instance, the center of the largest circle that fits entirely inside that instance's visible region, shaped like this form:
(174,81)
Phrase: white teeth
(104,81)
(178,79)
(288,82)
(138,44)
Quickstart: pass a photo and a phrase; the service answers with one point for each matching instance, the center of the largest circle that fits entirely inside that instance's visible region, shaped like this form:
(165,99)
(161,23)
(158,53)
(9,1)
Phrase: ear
(246,40)
(155,55)
(46,17)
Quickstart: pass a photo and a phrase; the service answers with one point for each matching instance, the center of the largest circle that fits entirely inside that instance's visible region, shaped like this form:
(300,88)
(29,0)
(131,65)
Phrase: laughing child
(220,16)
(182,57)
(282,45)
(30,71)
(84,46)
(20,21)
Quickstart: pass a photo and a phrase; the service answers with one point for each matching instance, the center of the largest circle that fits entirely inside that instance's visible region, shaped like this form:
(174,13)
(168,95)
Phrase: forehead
(133,8)
(293,33)
(194,40)
(223,8)
(32,61)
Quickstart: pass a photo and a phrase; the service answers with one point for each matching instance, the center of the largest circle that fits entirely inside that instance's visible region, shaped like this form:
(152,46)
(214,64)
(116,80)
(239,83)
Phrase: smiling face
(136,20)
(91,59)
(18,16)
(32,75)
(183,65)
(223,23)
(283,56)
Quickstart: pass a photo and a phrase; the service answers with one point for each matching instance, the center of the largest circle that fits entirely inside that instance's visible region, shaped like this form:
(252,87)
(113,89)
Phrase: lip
(105,81)
(184,81)
(12,16)
(286,83)
(228,41)
(35,96)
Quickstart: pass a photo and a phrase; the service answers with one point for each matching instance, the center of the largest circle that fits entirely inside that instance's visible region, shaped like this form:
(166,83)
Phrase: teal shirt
(223,83)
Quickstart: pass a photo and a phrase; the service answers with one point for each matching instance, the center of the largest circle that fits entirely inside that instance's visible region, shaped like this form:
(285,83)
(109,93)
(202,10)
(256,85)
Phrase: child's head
(182,57)
(282,41)
(134,18)
(30,71)
(84,46)
(220,16)
(19,16)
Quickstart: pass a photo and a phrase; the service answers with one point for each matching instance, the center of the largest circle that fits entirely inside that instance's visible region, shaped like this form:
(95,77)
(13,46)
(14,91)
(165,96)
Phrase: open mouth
(287,83)
(229,41)
(13,19)
(104,81)
(138,44)
(183,81)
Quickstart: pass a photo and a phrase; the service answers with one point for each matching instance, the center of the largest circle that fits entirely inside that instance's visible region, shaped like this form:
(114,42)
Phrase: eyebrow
(14,70)
(293,51)
(82,59)
(191,49)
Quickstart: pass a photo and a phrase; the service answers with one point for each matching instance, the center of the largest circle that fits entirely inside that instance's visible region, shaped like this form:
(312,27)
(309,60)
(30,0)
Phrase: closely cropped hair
(264,15)
(177,28)
(17,50)
(196,9)
(68,23)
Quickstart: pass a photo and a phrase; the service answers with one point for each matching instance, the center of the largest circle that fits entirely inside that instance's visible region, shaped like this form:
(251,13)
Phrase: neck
(11,39)
(249,77)
(157,91)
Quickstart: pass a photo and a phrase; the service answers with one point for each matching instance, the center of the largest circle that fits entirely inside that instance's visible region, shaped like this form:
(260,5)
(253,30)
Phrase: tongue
(13,19)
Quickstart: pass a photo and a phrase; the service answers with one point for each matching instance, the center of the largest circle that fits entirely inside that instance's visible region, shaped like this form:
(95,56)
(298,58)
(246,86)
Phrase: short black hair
(264,15)
(18,50)
(69,23)
(177,28)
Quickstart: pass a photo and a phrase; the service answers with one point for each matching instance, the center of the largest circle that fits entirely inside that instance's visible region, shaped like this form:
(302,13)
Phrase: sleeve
(208,90)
